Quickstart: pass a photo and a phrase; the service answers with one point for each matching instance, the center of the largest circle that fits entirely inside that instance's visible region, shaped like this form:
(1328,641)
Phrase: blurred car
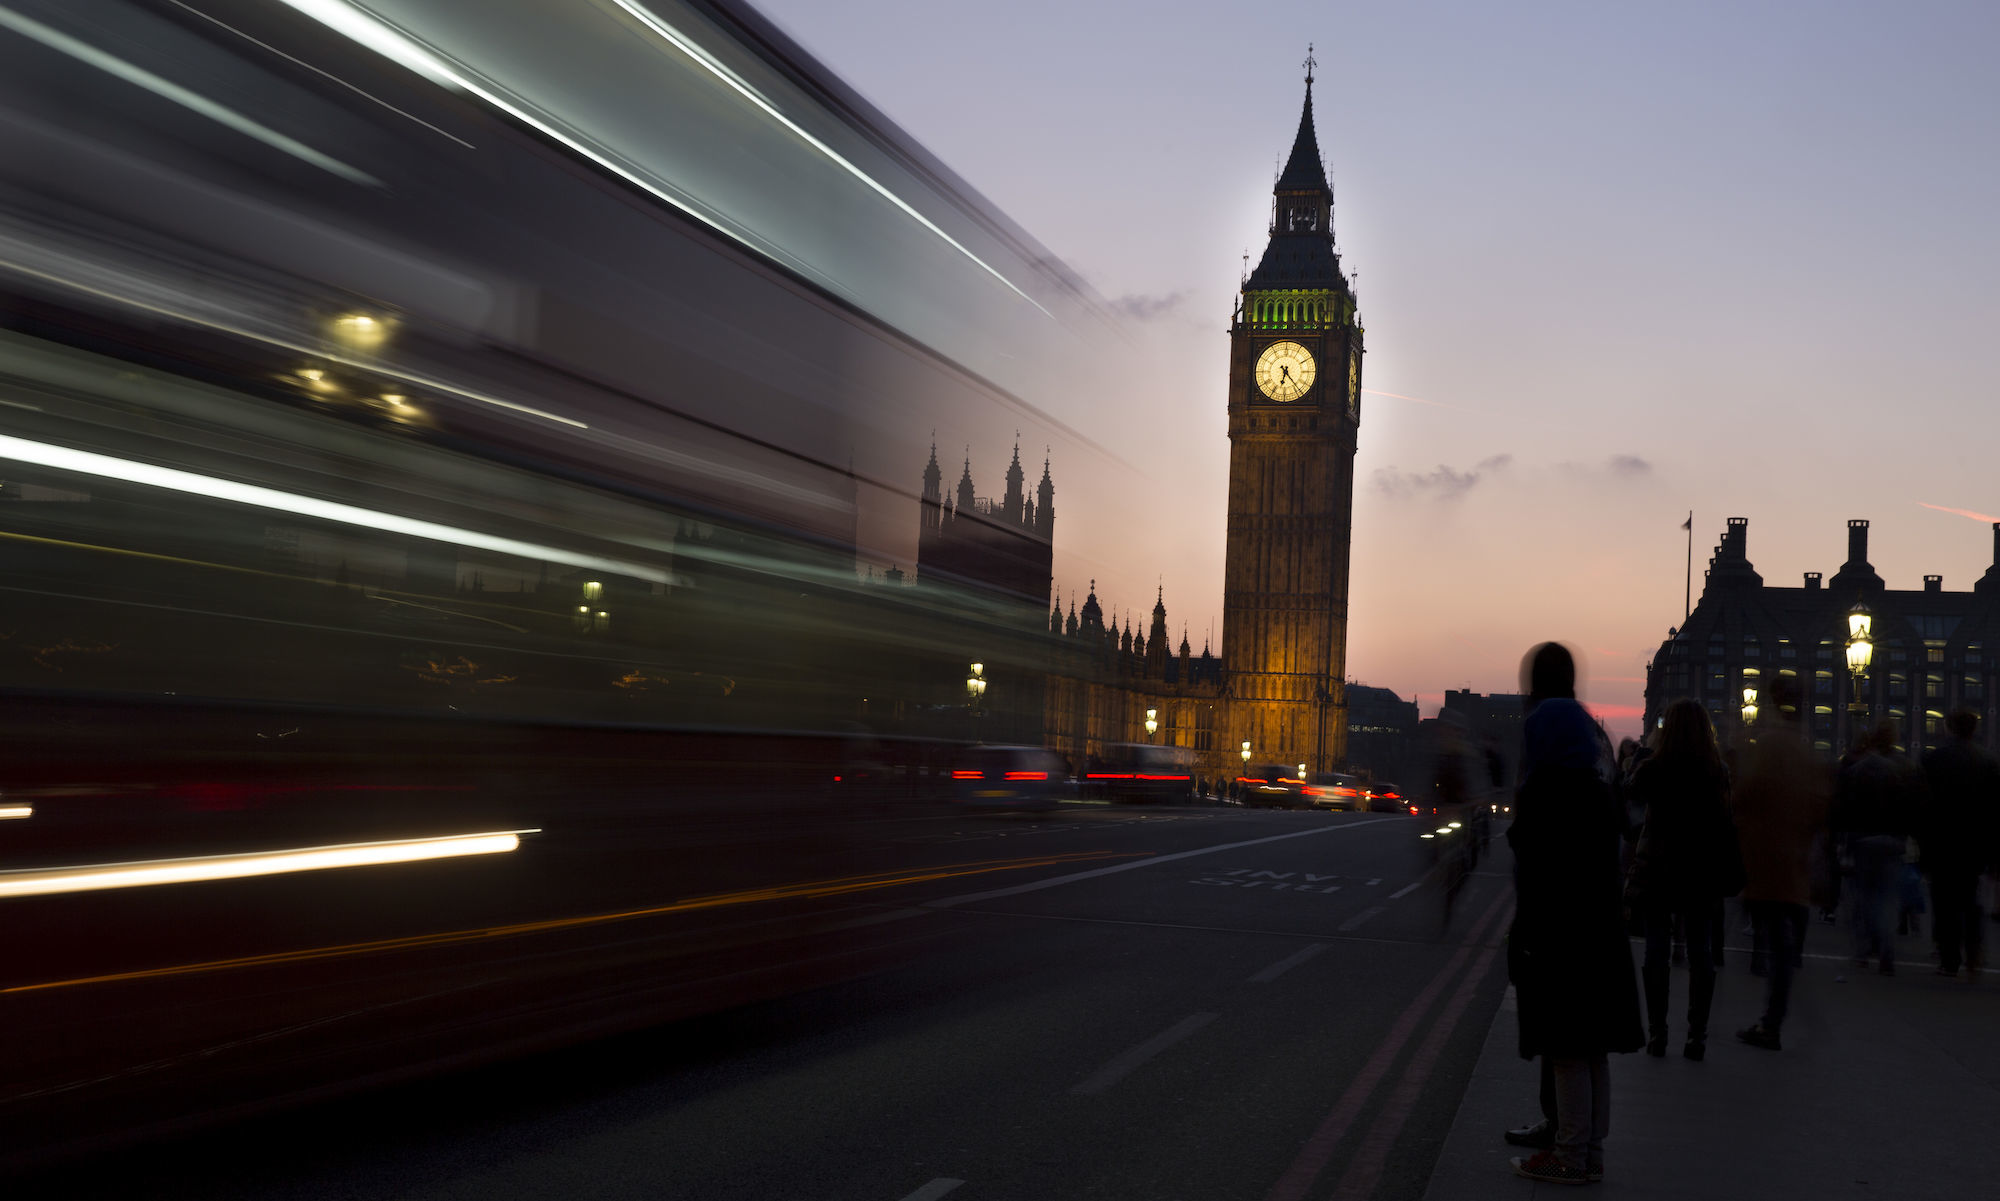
(1272,785)
(1137,771)
(1384,797)
(1009,777)
(1334,790)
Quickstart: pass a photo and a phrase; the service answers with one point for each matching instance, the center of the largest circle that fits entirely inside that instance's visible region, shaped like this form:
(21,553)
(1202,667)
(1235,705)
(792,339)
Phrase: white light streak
(166,89)
(715,68)
(147,872)
(84,462)
(373,32)
(16,812)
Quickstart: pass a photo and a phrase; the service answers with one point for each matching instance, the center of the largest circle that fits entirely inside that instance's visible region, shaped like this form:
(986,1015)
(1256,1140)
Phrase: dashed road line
(1359,918)
(1406,890)
(935,1189)
(1321,1145)
(1375,881)
(1129,1062)
(1287,964)
(1038,885)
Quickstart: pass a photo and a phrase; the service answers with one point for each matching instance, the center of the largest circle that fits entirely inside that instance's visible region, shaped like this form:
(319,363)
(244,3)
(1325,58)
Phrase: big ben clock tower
(1294,413)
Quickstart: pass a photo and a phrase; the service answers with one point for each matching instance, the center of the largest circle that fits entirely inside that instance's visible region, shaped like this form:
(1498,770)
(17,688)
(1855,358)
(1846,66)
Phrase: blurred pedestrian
(1567,953)
(1873,811)
(1780,804)
(1961,823)
(1686,861)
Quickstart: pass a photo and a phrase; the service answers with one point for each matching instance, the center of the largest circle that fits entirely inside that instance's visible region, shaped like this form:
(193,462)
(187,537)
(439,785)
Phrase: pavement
(1886,1087)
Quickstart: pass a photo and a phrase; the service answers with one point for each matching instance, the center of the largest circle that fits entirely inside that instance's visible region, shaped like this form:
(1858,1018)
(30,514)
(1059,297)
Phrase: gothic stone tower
(1294,413)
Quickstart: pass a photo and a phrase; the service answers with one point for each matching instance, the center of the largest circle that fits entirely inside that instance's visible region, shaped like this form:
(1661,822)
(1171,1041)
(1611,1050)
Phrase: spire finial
(1309,64)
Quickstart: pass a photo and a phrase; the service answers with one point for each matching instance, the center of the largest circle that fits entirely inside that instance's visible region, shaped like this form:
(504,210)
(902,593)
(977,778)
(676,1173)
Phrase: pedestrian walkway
(1888,1087)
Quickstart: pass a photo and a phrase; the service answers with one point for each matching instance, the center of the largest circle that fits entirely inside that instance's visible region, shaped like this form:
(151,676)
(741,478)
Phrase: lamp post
(975,687)
(1246,754)
(1860,652)
(1749,707)
(1152,722)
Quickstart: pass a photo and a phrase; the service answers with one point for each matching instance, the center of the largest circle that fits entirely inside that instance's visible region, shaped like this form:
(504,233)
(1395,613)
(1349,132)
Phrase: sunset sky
(1616,263)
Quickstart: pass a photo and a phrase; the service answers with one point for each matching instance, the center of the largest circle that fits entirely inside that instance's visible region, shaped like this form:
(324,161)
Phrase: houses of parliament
(1277,685)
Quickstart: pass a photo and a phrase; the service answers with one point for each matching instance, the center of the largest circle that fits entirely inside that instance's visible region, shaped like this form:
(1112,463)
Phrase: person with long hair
(1686,861)
(1567,953)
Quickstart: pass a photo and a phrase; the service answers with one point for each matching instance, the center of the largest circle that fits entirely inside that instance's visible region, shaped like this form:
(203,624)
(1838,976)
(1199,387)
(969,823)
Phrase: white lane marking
(1406,890)
(1038,885)
(1359,918)
(1287,964)
(935,1189)
(1123,1066)
(1375,881)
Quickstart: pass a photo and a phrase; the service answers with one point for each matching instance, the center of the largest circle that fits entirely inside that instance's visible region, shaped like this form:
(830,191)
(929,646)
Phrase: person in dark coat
(1567,953)
(1780,804)
(1874,809)
(1960,823)
(1685,863)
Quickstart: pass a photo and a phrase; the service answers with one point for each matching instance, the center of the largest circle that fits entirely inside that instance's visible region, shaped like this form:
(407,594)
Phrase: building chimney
(1933,583)
(1812,581)
(1738,537)
(1857,540)
(1996,544)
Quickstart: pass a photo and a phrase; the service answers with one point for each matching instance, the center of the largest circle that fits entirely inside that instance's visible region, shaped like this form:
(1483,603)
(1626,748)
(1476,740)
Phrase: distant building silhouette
(1933,649)
(1005,548)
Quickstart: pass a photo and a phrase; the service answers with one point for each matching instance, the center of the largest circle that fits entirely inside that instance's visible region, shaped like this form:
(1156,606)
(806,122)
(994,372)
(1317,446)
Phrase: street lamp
(975,685)
(1246,752)
(1860,653)
(1749,706)
(1152,722)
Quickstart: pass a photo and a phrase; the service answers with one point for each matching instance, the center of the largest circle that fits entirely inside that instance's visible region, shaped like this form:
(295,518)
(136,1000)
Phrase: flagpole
(1688,598)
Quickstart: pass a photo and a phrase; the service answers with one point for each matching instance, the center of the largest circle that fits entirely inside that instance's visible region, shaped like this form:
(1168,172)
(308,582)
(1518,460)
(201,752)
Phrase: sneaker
(1696,1049)
(1545,1167)
(1760,1035)
(1541,1135)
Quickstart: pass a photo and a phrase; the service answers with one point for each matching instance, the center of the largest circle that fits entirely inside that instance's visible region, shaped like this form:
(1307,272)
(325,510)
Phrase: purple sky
(1731,257)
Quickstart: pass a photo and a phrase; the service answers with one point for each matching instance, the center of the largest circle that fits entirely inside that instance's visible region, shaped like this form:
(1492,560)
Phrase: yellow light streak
(807,890)
(37,882)
(16,812)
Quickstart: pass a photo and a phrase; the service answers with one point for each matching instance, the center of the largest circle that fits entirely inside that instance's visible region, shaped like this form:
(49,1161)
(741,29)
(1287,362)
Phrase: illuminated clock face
(1353,384)
(1285,370)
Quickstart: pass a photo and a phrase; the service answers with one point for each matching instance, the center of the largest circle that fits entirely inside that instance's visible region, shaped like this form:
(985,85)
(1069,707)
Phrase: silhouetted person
(1874,801)
(1567,953)
(1961,823)
(1685,863)
(1780,805)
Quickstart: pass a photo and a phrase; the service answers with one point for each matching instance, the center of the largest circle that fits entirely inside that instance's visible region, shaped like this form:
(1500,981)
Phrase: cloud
(1630,466)
(1445,483)
(1148,308)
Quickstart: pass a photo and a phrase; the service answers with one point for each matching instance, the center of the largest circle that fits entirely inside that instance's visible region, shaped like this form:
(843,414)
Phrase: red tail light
(1144,776)
(1391,796)
(980,775)
(1311,791)
(1110,775)
(1027,775)
(1346,792)
(1413,811)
